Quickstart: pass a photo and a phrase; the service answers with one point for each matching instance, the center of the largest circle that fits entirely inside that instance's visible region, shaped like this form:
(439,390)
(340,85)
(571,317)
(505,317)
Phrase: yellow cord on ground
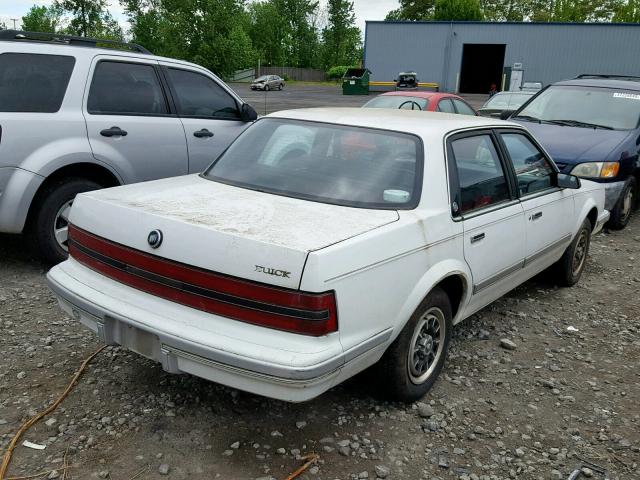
(311,459)
(32,421)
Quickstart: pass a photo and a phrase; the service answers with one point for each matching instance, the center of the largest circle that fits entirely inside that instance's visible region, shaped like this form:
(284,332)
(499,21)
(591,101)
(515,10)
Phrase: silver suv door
(209,112)
(129,121)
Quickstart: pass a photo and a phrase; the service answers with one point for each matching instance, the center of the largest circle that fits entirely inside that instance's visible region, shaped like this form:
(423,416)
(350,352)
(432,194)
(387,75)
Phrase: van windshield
(582,106)
(351,166)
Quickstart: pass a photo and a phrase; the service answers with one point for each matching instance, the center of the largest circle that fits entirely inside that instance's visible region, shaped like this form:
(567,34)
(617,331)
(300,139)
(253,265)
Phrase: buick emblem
(155,238)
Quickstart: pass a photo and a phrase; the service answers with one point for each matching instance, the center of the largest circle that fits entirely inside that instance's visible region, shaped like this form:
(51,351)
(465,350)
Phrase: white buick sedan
(322,242)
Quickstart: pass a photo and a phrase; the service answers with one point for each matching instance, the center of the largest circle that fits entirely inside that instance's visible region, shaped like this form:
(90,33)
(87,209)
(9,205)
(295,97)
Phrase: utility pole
(14,22)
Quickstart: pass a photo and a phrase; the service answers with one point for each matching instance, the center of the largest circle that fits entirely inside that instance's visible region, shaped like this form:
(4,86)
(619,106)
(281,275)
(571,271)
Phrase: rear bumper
(612,192)
(17,189)
(117,321)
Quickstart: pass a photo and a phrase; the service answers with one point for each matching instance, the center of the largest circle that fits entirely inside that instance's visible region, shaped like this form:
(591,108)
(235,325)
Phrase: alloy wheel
(61,225)
(427,345)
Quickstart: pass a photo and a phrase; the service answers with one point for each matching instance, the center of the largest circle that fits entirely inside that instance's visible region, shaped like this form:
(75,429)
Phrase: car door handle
(204,133)
(113,132)
(477,238)
(536,216)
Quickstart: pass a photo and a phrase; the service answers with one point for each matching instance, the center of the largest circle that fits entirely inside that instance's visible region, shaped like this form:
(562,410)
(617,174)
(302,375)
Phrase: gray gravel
(496,413)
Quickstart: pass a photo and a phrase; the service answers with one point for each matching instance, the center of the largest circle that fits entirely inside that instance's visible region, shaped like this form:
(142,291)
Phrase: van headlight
(596,170)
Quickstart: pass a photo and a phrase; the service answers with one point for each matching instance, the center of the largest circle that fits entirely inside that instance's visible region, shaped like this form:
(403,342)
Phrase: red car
(429,101)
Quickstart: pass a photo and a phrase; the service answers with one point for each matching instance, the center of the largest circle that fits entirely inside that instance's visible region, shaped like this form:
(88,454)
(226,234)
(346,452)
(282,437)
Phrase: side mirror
(568,181)
(248,113)
(505,114)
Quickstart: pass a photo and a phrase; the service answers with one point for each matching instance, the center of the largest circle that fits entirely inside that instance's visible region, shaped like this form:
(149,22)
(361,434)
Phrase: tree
(413,10)
(267,30)
(628,12)
(451,10)
(212,33)
(90,18)
(41,19)
(505,10)
(341,37)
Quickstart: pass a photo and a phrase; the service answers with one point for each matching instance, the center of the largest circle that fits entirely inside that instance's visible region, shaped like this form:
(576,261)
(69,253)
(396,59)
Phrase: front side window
(33,83)
(350,166)
(588,107)
(398,101)
(463,108)
(533,171)
(120,88)
(445,105)
(199,96)
(481,179)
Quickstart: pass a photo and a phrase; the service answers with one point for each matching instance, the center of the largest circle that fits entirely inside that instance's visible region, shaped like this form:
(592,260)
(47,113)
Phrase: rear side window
(199,96)
(33,83)
(121,88)
(480,175)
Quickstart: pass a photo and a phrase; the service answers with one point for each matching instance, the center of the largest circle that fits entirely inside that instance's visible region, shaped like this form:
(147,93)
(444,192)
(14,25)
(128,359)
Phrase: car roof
(52,48)
(420,94)
(602,82)
(418,122)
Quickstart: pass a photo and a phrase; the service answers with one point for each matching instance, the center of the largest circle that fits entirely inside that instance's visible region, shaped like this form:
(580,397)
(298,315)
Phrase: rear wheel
(569,268)
(623,209)
(50,224)
(413,362)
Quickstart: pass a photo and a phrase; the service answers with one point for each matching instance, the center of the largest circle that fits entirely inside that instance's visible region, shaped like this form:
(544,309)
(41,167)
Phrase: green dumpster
(356,81)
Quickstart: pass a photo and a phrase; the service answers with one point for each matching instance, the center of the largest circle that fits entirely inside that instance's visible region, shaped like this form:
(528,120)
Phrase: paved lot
(531,413)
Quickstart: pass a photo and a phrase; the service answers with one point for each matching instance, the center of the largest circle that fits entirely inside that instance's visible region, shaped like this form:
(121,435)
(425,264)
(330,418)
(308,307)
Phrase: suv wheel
(50,223)
(414,360)
(621,213)
(569,268)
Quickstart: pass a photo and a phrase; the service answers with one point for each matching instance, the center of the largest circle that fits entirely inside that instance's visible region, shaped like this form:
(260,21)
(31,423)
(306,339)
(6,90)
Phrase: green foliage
(628,12)
(460,10)
(89,18)
(42,19)
(413,10)
(341,38)
(505,10)
(338,71)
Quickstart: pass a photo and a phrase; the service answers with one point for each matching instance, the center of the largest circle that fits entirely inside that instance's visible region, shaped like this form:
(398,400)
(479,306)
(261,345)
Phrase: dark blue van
(591,128)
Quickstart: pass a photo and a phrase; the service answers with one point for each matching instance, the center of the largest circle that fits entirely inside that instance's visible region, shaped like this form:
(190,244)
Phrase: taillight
(273,307)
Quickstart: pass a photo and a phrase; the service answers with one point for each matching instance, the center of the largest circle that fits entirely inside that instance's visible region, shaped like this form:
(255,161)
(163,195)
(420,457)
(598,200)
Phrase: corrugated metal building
(468,57)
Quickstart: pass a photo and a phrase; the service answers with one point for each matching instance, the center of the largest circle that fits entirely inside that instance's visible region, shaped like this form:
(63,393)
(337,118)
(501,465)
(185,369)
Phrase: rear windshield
(33,83)
(352,166)
(397,101)
(586,107)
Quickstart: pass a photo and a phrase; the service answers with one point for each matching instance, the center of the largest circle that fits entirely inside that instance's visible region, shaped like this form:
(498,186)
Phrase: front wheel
(569,268)
(281,86)
(266,88)
(50,224)
(414,360)
(621,213)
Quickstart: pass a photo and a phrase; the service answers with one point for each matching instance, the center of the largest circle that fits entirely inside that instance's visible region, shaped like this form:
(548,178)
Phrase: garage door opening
(482,66)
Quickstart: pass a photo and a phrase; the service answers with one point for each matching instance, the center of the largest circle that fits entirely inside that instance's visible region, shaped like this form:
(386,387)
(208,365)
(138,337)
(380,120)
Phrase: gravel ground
(533,410)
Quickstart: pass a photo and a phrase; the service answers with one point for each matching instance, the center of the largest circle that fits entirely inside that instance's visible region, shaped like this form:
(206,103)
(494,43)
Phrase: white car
(322,242)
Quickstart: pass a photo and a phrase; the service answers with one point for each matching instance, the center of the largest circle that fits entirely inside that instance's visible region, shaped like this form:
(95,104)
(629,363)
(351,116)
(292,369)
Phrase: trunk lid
(222,228)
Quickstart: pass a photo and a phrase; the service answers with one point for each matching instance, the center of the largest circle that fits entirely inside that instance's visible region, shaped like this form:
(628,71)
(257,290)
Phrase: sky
(364,9)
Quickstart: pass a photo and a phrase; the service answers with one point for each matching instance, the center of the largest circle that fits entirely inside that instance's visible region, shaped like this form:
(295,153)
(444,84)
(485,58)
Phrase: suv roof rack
(45,37)
(611,77)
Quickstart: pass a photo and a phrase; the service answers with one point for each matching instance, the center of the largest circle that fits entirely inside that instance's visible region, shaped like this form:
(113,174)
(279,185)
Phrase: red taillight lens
(284,309)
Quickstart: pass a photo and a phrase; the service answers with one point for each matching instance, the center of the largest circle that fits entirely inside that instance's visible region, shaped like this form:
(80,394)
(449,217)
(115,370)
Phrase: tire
(402,379)
(266,88)
(50,215)
(281,86)
(624,207)
(568,270)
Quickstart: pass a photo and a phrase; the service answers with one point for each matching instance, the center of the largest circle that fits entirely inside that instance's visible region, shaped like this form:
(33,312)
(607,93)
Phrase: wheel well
(90,171)
(454,287)
(593,217)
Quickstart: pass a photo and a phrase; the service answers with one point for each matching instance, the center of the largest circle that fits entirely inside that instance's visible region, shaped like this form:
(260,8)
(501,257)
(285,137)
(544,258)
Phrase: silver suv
(74,119)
